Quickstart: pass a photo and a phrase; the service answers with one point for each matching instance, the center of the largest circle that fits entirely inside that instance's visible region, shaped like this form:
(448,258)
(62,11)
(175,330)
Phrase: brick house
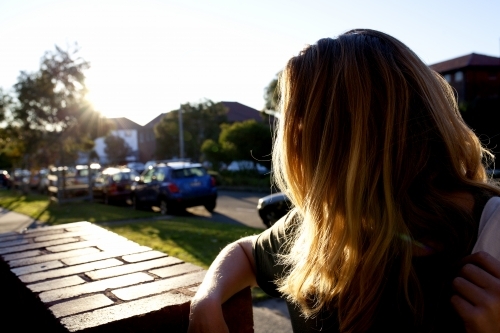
(473,76)
(476,79)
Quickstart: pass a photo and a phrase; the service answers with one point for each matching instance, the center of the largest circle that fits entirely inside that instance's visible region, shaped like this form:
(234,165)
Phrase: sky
(147,57)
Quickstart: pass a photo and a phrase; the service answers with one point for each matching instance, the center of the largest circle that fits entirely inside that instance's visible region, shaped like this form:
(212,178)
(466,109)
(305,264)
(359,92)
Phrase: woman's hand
(477,298)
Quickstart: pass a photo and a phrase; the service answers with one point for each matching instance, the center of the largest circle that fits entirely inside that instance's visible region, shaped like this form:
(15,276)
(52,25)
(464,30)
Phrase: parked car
(5,180)
(21,178)
(493,173)
(137,166)
(43,182)
(175,186)
(114,185)
(273,207)
(38,180)
(247,165)
(82,173)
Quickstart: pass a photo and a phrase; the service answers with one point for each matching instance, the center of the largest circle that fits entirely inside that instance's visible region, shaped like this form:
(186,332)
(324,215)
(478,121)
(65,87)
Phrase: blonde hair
(366,126)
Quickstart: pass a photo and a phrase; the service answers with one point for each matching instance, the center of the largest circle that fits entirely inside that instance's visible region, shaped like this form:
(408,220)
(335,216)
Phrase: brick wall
(79,277)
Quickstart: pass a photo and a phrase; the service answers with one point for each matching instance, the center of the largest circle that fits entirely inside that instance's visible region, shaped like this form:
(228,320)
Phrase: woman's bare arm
(231,271)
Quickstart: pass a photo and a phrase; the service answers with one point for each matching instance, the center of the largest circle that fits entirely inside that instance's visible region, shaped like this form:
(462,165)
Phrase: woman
(388,189)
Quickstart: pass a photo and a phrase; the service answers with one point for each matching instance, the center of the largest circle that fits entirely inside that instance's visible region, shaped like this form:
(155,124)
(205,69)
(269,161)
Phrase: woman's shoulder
(489,228)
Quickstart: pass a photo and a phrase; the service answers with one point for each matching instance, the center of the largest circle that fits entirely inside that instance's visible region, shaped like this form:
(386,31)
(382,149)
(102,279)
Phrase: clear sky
(149,56)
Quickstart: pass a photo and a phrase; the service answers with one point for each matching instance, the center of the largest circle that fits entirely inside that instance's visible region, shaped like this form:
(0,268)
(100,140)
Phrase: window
(148,176)
(160,174)
(459,76)
(188,172)
(447,77)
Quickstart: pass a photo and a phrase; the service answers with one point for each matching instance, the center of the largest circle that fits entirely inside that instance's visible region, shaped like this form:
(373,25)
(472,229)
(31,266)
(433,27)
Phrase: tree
(214,153)
(116,149)
(51,119)
(272,95)
(247,140)
(200,122)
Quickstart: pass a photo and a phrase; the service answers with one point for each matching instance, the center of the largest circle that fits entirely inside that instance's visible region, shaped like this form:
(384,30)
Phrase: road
(233,207)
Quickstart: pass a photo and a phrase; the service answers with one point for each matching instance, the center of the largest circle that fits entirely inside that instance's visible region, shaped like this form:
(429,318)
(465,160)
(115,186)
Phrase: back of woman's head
(366,127)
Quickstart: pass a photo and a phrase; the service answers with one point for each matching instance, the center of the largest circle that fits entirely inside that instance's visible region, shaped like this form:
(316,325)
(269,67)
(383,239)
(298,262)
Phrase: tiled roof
(472,59)
(240,112)
(155,121)
(124,123)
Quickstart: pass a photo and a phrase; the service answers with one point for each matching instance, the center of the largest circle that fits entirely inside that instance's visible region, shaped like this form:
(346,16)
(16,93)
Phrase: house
(474,76)
(240,112)
(147,139)
(125,129)
(476,79)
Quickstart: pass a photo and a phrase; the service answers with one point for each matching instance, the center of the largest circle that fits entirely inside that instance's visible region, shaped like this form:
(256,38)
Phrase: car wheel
(265,218)
(135,203)
(210,205)
(164,207)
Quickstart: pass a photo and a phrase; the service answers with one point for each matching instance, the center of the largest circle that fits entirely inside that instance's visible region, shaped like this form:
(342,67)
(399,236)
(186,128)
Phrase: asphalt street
(235,207)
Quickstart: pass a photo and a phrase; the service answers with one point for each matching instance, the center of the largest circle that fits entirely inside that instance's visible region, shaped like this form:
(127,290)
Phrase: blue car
(173,187)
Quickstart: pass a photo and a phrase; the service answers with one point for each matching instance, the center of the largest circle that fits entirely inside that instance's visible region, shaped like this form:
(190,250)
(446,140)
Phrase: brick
(59,226)
(37,267)
(82,228)
(123,311)
(83,244)
(101,235)
(92,287)
(104,255)
(15,236)
(40,245)
(238,312)
(131,268)
(113,246)
(193,289)
(52,256)
(175,270)
(21,255)
(161,286)
(55,273)
(56,283)
(9,234)
(14,242)
(38,232)
(144,256)
(80,305)
(67,234)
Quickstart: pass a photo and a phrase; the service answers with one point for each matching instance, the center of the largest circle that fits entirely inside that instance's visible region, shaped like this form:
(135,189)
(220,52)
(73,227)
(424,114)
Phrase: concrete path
(12,221)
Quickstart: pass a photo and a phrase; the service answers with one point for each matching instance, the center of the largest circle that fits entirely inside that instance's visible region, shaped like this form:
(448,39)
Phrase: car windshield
(189,172)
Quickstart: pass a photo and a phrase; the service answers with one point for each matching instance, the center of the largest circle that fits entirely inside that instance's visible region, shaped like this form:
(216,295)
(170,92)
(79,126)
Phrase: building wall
(130,136)
(147,144)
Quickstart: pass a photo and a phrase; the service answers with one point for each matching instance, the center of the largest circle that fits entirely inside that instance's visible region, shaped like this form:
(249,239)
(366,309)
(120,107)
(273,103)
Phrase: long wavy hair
(370,149)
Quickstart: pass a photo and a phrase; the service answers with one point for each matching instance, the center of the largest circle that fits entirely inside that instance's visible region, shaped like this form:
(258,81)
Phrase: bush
(248,178)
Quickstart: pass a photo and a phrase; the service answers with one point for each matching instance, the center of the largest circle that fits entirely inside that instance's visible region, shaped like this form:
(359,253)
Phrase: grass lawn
(41,208)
